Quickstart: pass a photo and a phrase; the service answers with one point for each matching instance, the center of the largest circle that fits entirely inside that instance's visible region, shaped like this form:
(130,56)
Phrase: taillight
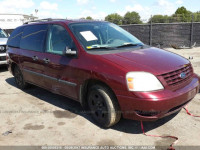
(7,55)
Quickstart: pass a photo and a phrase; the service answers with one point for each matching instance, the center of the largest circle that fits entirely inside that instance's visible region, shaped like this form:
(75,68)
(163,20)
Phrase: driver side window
(58,39)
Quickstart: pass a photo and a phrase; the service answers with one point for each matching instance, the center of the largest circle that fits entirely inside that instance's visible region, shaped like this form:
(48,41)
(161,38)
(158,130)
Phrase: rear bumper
(150,106)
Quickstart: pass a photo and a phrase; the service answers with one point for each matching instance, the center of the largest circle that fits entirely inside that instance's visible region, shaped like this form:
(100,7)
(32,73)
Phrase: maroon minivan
(105,68)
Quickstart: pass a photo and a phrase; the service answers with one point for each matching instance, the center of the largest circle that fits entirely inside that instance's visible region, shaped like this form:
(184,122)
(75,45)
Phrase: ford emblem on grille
(182,75)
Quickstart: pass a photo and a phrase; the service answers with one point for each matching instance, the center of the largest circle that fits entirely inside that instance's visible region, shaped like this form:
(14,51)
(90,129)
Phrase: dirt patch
(196,102)
(61,123)
(106,142)
(33,127)
(9,122)
(40,103)
(164,141)
(64,114)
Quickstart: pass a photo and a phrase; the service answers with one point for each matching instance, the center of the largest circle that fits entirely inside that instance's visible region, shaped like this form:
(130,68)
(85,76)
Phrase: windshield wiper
(100,47)
(129,44)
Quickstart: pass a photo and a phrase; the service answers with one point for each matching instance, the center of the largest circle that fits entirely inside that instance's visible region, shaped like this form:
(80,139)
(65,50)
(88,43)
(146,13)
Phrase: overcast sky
(97,9)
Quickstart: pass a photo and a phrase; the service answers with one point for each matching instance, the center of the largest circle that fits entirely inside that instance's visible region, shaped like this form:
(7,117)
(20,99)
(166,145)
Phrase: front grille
(173,78)
(2,58)
(4,49)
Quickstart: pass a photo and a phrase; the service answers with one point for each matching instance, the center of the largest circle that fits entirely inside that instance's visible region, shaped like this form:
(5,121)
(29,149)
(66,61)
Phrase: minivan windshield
(103,35)
(3,34)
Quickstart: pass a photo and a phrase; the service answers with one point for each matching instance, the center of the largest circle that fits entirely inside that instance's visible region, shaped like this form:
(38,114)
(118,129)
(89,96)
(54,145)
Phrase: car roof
(52,21)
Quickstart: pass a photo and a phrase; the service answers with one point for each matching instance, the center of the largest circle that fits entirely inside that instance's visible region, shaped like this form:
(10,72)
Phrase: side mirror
(69,52)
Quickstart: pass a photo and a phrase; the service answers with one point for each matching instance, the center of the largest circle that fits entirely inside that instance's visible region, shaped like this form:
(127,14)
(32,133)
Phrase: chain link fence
(178,31)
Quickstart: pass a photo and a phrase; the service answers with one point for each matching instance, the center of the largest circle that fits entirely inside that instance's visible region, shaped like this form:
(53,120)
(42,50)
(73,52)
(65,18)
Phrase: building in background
(8,22)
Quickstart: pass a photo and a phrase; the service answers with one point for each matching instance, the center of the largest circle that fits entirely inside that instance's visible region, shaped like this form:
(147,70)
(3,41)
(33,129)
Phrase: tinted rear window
(15,37)
(33,37)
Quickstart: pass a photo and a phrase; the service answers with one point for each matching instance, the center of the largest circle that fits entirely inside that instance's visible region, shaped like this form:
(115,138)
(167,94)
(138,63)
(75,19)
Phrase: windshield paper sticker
(89,36)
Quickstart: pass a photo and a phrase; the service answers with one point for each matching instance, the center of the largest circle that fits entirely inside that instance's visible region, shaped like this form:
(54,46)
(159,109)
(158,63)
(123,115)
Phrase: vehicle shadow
(132,126)
(127,126)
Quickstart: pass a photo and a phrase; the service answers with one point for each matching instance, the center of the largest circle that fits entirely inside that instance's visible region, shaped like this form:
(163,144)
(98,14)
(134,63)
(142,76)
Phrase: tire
(19,79)
(103,105)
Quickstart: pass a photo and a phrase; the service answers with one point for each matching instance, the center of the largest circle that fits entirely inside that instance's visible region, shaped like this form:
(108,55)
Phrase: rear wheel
(103,106)
(19,79)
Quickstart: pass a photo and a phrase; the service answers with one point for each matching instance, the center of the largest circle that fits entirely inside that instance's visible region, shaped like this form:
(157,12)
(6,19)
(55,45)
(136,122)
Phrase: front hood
(152,60)
(3,41)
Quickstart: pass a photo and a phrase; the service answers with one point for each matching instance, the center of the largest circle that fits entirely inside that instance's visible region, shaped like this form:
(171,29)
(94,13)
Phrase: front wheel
(19,79)
(103,106)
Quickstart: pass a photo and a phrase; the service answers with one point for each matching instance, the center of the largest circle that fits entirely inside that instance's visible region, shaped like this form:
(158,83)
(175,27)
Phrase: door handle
(46,60)
(35,58)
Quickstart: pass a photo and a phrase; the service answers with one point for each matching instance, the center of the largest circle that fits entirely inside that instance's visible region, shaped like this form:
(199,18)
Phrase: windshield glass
(103,35)
(2,34)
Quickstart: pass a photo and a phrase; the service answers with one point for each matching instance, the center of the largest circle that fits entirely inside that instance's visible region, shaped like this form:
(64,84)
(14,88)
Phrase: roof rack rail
(43,20)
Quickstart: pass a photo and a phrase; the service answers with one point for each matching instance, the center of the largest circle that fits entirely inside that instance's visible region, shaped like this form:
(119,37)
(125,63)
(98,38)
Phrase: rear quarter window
(33,37)
(15,37)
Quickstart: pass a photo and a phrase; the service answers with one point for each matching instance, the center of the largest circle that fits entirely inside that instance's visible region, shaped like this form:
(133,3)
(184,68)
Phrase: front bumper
(150,106)
(3,60)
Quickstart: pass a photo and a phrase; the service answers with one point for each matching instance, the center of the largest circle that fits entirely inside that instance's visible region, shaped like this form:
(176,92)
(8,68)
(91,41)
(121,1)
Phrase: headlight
(142,82)
(2,48)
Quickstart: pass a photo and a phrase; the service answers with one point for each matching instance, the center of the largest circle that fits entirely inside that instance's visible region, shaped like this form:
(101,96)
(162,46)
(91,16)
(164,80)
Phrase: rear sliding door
(32,53)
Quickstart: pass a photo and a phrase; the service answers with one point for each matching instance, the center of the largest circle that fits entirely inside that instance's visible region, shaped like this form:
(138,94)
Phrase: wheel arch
(84,88)
(13,65)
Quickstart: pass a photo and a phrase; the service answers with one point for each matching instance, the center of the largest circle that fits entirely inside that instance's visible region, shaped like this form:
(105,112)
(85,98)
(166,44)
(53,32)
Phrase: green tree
(196,16)
(114,18)
(89,18)
(132,18)
(182,10)
(160,19)
(182,15)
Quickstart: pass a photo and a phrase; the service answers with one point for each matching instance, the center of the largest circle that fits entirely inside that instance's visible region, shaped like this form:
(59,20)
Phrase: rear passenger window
(15,37)
(58,39)
(33,37)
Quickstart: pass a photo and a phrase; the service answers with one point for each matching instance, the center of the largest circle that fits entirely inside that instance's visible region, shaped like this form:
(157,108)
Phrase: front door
(58,74)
